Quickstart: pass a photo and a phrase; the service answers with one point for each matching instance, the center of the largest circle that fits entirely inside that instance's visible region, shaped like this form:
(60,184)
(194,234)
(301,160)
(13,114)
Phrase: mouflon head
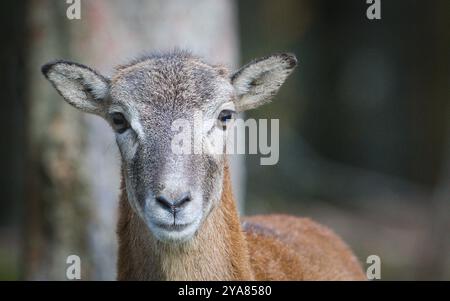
(171,113)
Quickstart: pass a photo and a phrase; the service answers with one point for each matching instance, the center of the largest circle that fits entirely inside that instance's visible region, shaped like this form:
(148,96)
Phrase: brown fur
(273,247)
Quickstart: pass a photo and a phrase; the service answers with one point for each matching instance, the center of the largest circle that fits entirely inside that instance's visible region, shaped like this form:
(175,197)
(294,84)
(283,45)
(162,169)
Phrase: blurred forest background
(364,125)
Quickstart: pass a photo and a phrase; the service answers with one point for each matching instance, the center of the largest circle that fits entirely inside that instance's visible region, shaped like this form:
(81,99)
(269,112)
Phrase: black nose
(173,205)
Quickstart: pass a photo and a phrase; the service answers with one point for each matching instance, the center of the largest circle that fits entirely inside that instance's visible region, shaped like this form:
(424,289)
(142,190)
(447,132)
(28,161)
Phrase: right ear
(80,86)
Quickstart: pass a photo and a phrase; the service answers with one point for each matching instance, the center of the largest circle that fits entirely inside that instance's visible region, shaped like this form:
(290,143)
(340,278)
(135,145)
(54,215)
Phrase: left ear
(258,81)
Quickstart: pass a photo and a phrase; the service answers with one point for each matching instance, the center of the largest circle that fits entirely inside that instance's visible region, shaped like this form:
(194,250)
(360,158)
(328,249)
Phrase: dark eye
(119,123)
(224,117)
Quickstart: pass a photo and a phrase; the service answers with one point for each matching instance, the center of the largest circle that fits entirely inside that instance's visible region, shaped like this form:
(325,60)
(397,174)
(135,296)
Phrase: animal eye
(119,123)
(224,117)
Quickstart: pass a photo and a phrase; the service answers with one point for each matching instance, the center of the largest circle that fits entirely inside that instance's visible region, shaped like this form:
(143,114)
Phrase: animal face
(170,113)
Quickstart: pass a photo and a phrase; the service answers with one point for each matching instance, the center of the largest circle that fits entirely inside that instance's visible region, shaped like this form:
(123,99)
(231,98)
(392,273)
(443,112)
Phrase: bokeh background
(364,125)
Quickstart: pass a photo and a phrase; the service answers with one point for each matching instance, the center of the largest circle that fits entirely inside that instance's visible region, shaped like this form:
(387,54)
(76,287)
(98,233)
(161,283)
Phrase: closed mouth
(172,227)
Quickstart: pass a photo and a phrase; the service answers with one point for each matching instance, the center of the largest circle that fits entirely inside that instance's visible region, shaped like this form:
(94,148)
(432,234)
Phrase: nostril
(164,202)
(183,200)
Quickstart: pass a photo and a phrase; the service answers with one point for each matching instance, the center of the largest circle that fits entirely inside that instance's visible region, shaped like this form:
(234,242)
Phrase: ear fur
(81,86)
(258,81)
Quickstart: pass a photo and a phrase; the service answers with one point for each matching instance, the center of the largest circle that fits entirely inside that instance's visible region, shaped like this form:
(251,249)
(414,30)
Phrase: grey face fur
(173,193)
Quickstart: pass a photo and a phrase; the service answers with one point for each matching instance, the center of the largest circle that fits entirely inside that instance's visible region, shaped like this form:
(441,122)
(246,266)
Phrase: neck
(217,252)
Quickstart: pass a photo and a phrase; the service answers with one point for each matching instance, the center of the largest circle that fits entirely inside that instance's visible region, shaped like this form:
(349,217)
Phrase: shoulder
(312,248)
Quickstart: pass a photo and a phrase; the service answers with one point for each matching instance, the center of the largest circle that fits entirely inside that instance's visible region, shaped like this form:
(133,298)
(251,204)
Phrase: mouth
(172,227)
(173,232)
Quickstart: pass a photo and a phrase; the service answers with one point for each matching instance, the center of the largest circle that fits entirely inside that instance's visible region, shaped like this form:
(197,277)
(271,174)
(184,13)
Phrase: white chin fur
(174,236)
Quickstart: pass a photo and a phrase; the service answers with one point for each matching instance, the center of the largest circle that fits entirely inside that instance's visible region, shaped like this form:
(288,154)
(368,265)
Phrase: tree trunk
(73,161)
